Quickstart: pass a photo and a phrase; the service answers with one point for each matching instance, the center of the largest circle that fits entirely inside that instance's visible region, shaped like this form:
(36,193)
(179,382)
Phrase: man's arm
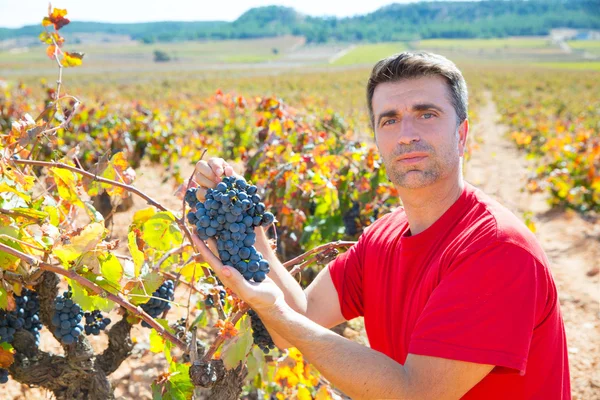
(363,373)
(319,302)
(357,370)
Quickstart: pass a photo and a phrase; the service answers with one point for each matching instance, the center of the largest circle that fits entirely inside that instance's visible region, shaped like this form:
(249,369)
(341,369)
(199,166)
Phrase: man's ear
(463,134)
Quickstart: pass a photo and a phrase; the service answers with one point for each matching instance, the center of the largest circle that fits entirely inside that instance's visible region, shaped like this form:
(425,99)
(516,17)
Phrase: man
(456,293)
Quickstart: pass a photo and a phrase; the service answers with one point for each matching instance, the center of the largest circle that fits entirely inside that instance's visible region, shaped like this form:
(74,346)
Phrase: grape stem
(220,339)
(118,298)
(303,260)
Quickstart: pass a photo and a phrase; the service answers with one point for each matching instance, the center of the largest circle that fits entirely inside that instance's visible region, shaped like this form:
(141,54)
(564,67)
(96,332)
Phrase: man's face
(417,131)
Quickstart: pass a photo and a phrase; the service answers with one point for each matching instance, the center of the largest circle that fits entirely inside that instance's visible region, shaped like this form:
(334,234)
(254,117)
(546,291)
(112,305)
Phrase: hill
(424,20)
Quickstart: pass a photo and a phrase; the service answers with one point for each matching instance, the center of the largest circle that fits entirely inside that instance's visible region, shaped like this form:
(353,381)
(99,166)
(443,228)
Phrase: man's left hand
(261,297)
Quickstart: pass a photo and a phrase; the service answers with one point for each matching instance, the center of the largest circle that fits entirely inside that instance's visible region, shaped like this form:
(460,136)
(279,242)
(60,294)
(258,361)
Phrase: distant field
(369,53)
(583,65)
(230,51)
(484,44)
(591,46)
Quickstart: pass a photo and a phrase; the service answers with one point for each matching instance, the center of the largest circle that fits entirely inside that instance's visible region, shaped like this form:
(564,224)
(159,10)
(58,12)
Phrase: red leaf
(56,17)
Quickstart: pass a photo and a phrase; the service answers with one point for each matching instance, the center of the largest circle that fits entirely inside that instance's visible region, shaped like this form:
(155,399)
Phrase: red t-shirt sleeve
(347,275)
(483,310)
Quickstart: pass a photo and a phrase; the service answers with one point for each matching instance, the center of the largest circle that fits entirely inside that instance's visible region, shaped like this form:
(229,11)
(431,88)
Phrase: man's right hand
(208,173)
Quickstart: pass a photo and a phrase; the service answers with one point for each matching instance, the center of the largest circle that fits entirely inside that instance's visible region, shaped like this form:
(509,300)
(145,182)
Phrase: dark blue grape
(260,334)
(3,375)
(160,301)
(95,322)
(234,209)
(67,319)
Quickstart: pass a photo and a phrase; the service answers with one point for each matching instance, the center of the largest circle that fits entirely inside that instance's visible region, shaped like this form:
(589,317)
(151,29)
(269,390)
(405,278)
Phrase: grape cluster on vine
(24,316)
(209,302)
(160,301)
(3,375)
(95,322)
(28,308)
(261,336)
(230,213)
(67,319)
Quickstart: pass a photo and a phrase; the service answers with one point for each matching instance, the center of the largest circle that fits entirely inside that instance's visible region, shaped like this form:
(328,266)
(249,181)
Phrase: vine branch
(117,298)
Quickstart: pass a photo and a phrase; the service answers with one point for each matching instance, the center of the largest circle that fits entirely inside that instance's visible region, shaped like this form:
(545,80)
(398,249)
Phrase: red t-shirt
(475,286)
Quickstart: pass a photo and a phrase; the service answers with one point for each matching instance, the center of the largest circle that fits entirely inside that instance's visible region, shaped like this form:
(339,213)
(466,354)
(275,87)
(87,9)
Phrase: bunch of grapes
(3,375)
(350,219)
(156,306)
(67,318)
(9,324)
(261,336)
(26,316)
(230,213)
(28,309)
(209,302)
(95,322)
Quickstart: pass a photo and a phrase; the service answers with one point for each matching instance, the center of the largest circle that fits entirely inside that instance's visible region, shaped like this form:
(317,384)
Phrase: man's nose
(408,132)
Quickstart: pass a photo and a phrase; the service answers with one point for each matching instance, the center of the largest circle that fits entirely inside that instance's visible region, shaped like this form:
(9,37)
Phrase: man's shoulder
(487,222)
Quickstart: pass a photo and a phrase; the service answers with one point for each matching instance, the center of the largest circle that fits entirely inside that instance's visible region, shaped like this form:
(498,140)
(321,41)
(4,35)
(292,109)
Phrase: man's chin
(413,180)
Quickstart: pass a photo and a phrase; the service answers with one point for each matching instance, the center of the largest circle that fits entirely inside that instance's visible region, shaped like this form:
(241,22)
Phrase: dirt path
(571,243)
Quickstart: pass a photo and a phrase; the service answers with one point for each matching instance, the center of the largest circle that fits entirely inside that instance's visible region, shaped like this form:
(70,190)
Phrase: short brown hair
(408,65)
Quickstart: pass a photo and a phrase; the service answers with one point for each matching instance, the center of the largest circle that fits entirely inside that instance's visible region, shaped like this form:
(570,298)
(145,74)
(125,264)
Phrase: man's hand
(260,296)
(208,173)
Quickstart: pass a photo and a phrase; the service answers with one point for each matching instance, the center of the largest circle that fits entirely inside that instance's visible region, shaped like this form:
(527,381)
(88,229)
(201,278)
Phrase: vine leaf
(3,297)
(237,349)
(161,231)
(6,355)
(66,184)
(138,256)
(8,261)
(87,301)
(85,241)
(57,18)
(117,170)
(5,187)
(73,59)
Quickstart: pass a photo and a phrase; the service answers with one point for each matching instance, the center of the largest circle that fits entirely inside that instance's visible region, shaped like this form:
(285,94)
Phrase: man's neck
(426,205)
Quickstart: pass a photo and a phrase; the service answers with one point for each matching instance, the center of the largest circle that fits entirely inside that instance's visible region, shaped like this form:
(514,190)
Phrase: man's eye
(391,120)
(428,115)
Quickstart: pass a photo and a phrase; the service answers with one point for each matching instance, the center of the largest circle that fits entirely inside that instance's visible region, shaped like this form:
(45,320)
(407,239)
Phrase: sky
(17,13)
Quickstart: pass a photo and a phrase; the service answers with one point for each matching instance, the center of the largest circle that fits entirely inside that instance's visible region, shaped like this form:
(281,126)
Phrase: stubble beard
(435,167)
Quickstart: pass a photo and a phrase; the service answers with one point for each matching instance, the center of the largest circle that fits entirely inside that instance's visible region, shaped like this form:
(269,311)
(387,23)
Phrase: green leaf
(255,362)
(136,254)
(111,269)
(236,350)
(8,261)
(182,387)
(143,215)
(161,232)
(89,302)
(3,297)
(151,281)
(157,342)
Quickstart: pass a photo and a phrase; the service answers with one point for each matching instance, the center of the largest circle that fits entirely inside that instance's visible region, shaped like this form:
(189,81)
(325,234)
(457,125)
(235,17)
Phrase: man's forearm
(358,371)
(293,292)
